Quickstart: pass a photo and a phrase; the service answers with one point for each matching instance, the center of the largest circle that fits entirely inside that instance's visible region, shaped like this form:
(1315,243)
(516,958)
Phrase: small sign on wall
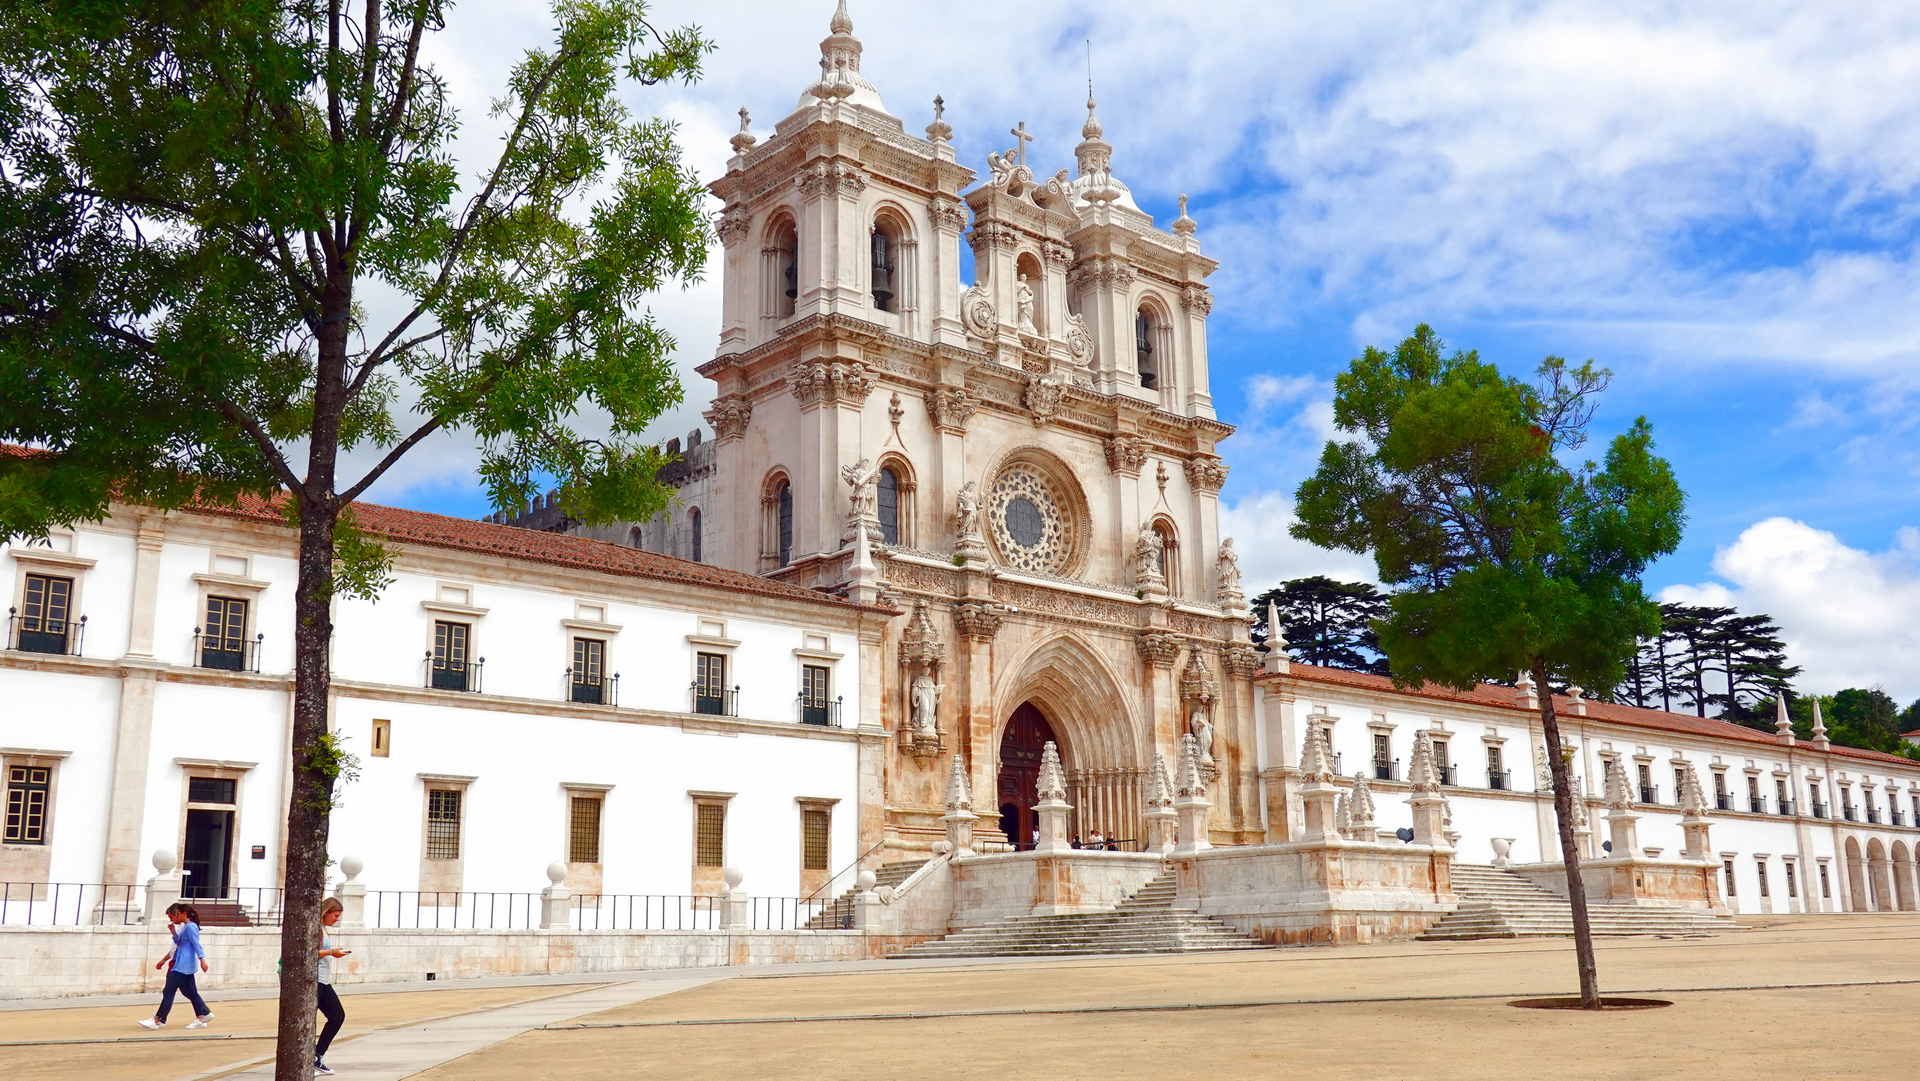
(259,852)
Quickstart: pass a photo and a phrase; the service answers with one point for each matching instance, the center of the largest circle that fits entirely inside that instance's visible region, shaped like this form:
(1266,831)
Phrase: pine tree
(1326,622)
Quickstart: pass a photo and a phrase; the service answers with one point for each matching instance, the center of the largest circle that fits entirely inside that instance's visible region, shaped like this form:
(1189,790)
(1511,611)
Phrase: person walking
(180,964)
(328,1002)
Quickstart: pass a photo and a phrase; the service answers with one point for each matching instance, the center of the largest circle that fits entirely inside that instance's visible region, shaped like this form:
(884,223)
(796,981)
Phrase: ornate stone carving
(992,236)
(904,575)
(1619,793)
(951,407)
(977,312)
(1316,761)
(1202,731)
(977,620)
(1192,783)
(947,214)
(830,177)
(922,654)
(1159,648)
(1421,774)
(1198,298)
(1058,254)
(1361,808)
(1160,785)
(729,415)
(1241,661)
(1052,786)
(860,478)
(1042,399)
(1126,454)
(1029,516)
(1206,473)
(1196,681)
(1023,303)
(1065,605)
(732,225)
(959,799)
(1148,550)
(816,381)
(1079,340)
(1226,570)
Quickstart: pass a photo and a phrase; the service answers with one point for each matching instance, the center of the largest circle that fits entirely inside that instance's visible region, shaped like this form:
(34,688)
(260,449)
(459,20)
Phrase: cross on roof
(1020,149)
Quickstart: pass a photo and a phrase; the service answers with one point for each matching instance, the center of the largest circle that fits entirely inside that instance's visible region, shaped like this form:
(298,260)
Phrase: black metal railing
(226,653)
(714,701)
(647,912)
(1873,815)
(70,904)
(817,711)
(451,910)
(784,913)
(37,634)
(1649,793)
(1846,812)
(592,690)
(1338,770)
(1757,804)
(1500,780)
(1386,771)
(1785,807)
(1723,801)
(1819,809)
(445,675)
(1894,819)
(1449,775)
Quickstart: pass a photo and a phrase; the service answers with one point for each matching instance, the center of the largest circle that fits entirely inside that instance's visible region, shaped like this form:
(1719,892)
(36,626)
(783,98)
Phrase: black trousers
(181,982)
(336,1016)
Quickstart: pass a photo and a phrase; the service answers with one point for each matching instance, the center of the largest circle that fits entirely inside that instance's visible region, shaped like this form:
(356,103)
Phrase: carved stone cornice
(831,178)
(1126,454)
(1058,254)
(729,415)
(1197,298)
(977,620)
(820,381)
(992,236)
(947,214)
(1159,648)
(1206,473)
(1102,270)
(732,225)
(951,407)
(1241,661)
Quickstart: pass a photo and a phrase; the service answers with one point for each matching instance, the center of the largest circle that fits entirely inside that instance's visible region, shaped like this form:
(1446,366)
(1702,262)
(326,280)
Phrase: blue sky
(1715,200)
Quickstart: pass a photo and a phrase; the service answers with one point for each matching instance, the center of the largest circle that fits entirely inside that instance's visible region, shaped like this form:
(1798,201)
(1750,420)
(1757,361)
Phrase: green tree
(199,200)
(1326,622)
(1501,557)
(1910,719)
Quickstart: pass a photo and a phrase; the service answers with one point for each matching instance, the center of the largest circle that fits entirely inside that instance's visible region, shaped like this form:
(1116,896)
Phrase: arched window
(635,538)
(1032,283)
(780,270)
(888,502)
(885,244)
(1146,363)
(693,534)
(783,500)
(1169,554)
(776,522)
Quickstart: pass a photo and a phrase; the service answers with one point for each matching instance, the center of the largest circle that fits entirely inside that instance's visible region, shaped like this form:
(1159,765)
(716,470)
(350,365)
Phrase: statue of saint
(860,479)
(926,705)
(1202,730)
(1147,552)
(966,510)
(1227,568)
(1024,295)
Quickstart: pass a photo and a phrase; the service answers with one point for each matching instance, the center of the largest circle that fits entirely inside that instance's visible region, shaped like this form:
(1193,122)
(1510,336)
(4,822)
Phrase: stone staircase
(1146,922)
(837,914)
(1499,904)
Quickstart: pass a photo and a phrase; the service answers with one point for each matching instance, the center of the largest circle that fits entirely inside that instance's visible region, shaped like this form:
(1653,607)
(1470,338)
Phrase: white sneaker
(320,1068)
(151,1023)
(200,1022)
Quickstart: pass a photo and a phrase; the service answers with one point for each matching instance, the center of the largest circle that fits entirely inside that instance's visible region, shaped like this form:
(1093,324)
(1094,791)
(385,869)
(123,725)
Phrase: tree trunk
(1563,814)
(310,796)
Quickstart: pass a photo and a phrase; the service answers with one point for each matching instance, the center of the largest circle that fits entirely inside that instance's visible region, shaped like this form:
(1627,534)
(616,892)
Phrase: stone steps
(1499,904)
(837,914)
(1146,922)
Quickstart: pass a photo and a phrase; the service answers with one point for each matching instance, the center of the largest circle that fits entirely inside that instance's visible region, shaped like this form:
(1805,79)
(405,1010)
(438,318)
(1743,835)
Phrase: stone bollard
(959,825)
(556,900)
(1163,829)
(163,888)
(1623,826)
(736,908)
(352,894)
(1503,850)
(866,903)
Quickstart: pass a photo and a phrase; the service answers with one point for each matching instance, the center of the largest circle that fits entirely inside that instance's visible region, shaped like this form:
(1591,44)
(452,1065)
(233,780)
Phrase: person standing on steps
(328,1002)
(180,964)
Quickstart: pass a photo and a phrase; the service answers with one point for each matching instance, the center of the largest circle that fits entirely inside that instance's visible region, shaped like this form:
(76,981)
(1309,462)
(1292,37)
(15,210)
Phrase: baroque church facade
(1026,466)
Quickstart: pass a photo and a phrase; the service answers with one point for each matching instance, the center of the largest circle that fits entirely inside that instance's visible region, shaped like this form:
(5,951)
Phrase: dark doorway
(1020,746)
(209,854)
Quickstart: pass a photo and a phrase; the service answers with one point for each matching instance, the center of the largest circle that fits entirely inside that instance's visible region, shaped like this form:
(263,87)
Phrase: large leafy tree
(200,203)
(1502,557)
(1326,622)
(1712,659)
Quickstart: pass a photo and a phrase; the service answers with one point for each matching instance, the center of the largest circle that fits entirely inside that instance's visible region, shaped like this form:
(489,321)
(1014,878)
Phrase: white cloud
(1269,555)
(1264,391)
(1847,615)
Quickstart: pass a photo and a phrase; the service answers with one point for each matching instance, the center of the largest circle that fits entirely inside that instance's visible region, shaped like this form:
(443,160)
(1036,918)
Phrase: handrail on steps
(854,866)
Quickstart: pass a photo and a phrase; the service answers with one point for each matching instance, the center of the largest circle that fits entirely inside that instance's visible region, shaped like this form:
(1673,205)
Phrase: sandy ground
(146,1060)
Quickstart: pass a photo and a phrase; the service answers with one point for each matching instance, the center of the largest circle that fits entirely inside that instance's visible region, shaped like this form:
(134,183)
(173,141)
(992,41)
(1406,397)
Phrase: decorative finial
(743,140)
(1192,785)
(1052,785)
(842,22)
(1421,774)
(1362,804)
(1619,796)
(1782,723)
(1819,726)
(1184,225)
(1160,791)
(1316,761)
(939,131)
(958,798)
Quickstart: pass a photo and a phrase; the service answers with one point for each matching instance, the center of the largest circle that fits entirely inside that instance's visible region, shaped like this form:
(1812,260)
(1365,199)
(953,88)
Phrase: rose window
(1027,515)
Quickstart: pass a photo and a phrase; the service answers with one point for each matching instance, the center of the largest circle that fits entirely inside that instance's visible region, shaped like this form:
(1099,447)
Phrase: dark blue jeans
(183,983)
(336,1015)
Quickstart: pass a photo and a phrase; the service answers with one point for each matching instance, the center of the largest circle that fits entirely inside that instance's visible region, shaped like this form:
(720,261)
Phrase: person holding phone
(180,965)
(329,1003)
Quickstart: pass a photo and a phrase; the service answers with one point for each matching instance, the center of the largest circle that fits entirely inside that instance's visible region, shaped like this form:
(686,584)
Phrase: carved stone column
(977,622)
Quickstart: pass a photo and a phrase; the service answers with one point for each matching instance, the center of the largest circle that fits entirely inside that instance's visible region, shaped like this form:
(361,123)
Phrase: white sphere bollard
(163,861)
(556,873)
(733,877)
(865,879)
(351,866)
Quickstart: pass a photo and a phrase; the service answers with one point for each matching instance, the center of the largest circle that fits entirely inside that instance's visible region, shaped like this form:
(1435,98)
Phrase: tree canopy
(1501,557)
(1326,622)
(1711,660)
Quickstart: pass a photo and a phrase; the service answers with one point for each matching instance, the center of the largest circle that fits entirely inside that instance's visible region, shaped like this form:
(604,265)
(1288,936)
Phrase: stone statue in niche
(1146,556)
(926,705)
(966,510)
(860,480)
(1202,730)
(1024,296)
(1227,568)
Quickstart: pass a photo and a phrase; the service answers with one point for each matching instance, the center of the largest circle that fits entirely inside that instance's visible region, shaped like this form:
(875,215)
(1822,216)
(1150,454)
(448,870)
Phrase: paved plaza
(1794,997)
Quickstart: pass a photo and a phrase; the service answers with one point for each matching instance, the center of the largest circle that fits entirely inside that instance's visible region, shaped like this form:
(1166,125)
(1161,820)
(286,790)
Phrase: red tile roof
(1489,694)
(461,534)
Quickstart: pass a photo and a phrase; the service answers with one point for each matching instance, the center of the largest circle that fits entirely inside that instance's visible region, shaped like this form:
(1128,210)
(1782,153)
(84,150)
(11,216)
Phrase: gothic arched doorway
(1027,732)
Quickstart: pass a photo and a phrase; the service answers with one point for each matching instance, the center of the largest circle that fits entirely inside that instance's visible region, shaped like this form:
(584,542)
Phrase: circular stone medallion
(1027,515)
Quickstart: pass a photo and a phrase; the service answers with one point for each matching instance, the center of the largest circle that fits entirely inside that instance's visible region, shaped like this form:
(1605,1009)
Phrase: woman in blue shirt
(183,923)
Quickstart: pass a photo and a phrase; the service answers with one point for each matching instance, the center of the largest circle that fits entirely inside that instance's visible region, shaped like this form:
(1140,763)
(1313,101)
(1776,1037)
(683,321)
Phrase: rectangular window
(710,684)
(710,835)
(1826,887)
(443,824)
(382,737)
(1440,762)
(27,793)
(1761,866)
(589,673)
(1496,767)
(223,641)
(1916,810)
(815,828)
(1793,887)
(211,789)
(1645,773)
(1785,804)
(815,682)
(46,615)
(583,829)
(1727,866)
(451,643)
